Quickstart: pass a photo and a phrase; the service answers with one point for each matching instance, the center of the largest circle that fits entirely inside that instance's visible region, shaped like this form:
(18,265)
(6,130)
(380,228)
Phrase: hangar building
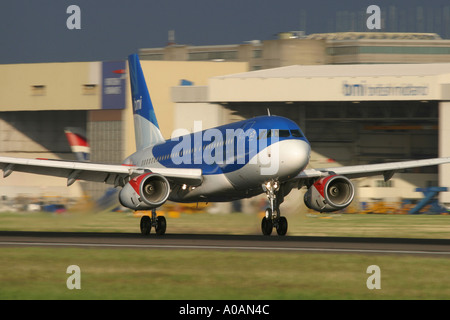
(351,114)
(295,47)
(39,100)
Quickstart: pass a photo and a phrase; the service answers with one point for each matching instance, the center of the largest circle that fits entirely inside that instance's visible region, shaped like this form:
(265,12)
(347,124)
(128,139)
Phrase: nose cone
(293,157)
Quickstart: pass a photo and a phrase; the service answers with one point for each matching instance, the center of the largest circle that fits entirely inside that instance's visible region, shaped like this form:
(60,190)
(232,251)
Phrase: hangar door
(361,132)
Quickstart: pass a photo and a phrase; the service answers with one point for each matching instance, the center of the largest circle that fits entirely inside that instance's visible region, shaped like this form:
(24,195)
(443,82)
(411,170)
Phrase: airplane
(76,137)
(266,154)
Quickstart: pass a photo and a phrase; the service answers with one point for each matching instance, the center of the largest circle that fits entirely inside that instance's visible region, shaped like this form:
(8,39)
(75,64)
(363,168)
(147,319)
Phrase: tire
(266,226)
(161,225)
(146,225)
(282,226)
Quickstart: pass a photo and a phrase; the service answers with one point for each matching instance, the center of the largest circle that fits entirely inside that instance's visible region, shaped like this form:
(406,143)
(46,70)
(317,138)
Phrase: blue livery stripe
(142,104)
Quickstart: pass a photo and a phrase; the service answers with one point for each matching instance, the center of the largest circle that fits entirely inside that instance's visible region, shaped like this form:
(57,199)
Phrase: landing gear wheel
(275,194)
(161,225)
(282,226)
(266,226)
(146,225)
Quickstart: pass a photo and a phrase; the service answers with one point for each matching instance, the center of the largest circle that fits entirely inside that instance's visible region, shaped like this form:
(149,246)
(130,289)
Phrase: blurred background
(361,96)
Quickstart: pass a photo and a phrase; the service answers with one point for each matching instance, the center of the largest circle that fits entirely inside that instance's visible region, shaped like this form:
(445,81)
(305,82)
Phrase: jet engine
(147,191)
(329,194)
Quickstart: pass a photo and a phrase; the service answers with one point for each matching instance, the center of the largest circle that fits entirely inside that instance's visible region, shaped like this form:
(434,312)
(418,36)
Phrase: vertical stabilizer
(146,126)
(78,143)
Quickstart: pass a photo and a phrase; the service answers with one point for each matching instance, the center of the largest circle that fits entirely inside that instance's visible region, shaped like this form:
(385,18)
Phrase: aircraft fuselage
(236,159)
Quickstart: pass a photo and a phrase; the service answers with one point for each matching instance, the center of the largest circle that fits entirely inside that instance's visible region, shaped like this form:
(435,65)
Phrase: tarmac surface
(425,247)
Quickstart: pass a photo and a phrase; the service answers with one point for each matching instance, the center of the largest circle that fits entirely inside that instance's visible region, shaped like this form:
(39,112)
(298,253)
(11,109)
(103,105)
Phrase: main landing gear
(159,223)
(273,219)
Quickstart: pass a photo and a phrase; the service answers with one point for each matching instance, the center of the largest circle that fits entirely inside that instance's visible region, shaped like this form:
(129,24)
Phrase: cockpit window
(284,133)
(274,133)
(296,133)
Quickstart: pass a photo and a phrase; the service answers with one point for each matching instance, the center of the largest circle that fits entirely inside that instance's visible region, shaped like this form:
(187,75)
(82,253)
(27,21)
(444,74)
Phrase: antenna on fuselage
(268,112)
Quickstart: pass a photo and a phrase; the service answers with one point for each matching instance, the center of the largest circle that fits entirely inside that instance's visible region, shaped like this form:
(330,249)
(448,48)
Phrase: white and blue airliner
(266,154)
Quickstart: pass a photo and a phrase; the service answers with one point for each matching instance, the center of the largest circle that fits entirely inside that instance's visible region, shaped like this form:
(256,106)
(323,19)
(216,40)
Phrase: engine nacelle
(147,191)
(329,194)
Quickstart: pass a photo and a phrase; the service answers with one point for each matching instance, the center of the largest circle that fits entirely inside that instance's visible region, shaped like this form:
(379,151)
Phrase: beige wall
(280,53)
(313,88)
(64,86)
(187,116)
(161,76)
(444,150)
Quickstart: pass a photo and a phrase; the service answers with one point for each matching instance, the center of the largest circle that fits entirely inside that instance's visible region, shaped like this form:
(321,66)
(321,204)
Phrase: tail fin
(78,143)
(146,126)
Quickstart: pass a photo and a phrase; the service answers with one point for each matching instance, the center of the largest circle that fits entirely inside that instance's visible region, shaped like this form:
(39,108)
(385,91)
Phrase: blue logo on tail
(146,126)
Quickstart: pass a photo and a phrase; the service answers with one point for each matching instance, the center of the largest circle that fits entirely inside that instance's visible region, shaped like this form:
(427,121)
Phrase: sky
(36,31)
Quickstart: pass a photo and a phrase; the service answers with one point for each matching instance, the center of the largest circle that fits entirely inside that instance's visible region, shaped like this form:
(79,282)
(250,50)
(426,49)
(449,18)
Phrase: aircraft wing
(358,171)
(107,173)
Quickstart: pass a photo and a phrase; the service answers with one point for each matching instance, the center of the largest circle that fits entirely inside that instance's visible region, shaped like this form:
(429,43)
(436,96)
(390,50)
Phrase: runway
(428,247)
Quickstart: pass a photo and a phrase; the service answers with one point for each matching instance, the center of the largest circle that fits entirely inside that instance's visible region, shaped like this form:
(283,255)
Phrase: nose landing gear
(273,219)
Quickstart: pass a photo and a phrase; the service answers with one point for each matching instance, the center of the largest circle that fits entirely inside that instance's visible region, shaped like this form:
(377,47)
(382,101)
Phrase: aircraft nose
(294,157)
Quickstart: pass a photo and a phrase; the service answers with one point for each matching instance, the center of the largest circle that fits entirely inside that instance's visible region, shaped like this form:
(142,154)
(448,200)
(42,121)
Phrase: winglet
(146,126)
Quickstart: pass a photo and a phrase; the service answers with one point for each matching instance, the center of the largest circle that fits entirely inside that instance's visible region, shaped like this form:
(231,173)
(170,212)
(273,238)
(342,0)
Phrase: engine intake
(147,191)
(330,194)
